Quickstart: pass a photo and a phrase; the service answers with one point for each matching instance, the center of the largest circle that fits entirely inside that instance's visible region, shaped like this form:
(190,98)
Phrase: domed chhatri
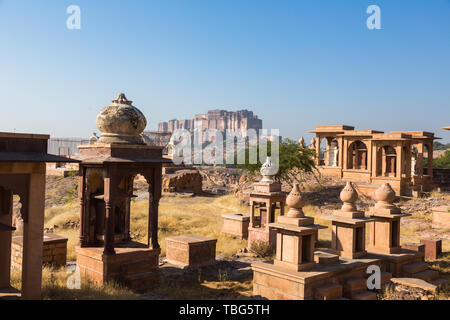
(348,197)
(121,123)
(295,201)
(385,196)
(268,171)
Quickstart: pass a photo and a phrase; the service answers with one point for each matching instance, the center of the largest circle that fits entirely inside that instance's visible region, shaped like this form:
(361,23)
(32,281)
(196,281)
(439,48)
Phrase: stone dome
(120,122)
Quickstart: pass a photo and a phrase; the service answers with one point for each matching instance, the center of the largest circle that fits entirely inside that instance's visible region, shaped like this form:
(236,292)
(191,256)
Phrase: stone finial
(93,139)
(301,142)
(121,123)
(268,171)
(348,197)
(313,143)
(121,99)
(385,196)
(295,202)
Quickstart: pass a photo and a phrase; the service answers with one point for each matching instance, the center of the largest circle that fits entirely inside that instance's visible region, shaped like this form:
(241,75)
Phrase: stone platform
(133,264)
(54,251)
(331,279)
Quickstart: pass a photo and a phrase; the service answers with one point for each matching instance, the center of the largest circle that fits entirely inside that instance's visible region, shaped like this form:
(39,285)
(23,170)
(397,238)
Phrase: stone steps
(355,285)
(427,275)
(364,295)
(325,257)
(385,277)
(328,292)
(414,267)
(439,282)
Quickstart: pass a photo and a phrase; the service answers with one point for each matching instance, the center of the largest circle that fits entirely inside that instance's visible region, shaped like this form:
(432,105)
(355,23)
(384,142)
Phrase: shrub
(262,249)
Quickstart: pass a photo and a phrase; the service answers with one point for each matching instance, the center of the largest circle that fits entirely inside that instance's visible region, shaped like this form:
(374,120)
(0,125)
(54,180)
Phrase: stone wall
(441,177)
(54,251)
(182,181)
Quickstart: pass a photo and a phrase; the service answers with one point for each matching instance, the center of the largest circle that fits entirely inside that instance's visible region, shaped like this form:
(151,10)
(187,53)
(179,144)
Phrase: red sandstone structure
(371,158)
(23,159)
(293,276)
(265,198)
(108,168)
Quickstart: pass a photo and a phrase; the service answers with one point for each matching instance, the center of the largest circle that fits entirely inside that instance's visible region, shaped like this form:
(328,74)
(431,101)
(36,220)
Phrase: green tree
(443,161)
(293,161)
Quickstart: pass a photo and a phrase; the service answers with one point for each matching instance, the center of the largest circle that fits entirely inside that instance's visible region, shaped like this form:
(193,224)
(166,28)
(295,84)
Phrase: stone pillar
(5,237)
(109,194)
(33,237)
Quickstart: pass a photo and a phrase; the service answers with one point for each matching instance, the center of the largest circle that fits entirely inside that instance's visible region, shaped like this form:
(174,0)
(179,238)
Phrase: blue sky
(296,64)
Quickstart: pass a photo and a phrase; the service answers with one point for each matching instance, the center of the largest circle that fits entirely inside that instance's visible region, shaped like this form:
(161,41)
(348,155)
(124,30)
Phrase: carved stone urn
(268,171)
(121,122)
(295,202)
(385,196)
(348,197)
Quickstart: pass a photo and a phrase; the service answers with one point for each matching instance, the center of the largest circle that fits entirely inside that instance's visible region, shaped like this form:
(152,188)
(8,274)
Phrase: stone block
(236,224)
(433,248)
(191,251)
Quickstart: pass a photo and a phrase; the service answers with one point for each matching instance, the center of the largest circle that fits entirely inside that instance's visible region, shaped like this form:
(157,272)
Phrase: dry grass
(177,216)
(440,195)
(54,287)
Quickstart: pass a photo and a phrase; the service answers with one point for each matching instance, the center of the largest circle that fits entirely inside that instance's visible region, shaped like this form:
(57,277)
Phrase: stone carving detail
(295,201)
(385,196)
(121,122)
(268,171)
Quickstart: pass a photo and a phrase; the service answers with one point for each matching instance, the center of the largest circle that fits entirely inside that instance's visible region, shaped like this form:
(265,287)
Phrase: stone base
(236,224)
(54,251)
(277,283)
(262,234)
(348,275)
(191,251)
(394,262)
(348,254)
(134,265)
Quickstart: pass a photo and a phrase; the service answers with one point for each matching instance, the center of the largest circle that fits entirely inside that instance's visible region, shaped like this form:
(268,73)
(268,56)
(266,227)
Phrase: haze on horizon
(295,64)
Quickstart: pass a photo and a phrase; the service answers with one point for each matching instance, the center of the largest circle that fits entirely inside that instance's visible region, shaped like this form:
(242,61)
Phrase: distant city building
(65,146)
(216,119)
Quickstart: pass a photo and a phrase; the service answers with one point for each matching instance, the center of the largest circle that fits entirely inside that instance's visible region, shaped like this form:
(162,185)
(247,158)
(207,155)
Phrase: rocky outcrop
(182,181)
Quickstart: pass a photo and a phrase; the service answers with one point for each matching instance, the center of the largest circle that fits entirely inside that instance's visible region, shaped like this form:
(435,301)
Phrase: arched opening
(333,153)
(139,210)
(322,150)
(414,158)
(390,160)
(357,156)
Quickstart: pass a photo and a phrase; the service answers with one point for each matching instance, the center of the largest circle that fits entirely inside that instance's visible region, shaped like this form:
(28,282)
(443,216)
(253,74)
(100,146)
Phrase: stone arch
(333,152)
(357,155)
(390,161)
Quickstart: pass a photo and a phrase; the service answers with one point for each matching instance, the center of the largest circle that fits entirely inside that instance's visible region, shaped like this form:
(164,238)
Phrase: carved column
(82,199)
(154,182)
(109,196)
